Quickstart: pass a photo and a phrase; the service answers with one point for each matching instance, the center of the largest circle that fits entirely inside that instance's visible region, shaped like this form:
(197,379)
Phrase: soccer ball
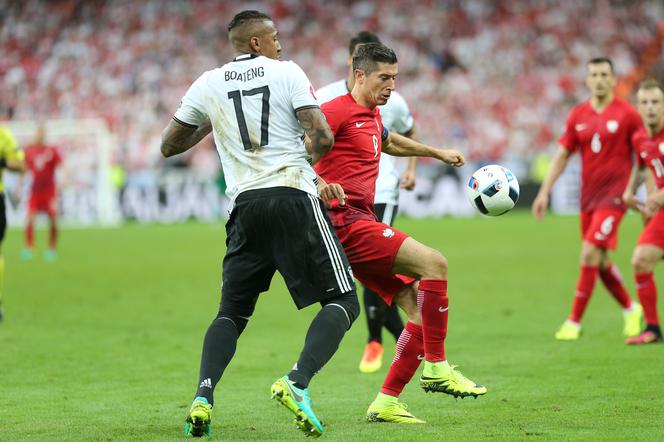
(493,190)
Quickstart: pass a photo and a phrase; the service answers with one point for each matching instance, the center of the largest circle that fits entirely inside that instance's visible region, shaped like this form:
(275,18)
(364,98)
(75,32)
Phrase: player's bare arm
(178,138)
(319,138)
(409,175)
(558,165)
(637,178)
(400,146)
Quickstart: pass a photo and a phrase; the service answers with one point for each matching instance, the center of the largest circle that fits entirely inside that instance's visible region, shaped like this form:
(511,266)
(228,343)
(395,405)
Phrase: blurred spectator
(483,76)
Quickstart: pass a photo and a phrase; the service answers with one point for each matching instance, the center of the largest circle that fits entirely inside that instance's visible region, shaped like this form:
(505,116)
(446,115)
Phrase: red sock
(409,350)
(53,234)
(29,234)
(613,282)
(647,291)
(584,289)
(433,294)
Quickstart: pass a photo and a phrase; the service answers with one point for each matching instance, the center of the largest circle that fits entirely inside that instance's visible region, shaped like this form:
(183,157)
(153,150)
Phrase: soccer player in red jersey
(41,161)
(601,130)
(384,259)
(649,145)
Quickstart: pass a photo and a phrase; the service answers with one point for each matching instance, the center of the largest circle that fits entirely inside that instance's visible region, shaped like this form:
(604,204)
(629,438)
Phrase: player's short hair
(599,60)
(361,38)
(369,55)
(650,83)
(246,17)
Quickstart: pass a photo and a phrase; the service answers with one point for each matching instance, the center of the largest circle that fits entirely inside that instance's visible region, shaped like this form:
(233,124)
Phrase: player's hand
(654,202)
(540,205)
(408,179)
(329,192)
(452,157)
(633,203)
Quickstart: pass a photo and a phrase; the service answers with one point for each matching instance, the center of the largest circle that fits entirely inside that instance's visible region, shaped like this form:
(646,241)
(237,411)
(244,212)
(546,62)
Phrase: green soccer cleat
(298,402)
(441,377)
(198,420)
(50,255)
(26,255)
(569,331)
(633,321)
(389,409)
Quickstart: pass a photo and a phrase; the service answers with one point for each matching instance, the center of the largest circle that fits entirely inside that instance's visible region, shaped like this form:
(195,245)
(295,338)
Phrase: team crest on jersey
(612,126)
(388,233)
(661,148)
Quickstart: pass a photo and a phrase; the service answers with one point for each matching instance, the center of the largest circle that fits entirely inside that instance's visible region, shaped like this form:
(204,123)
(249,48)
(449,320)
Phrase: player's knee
(240,322)
(349,304)
(437,265)
(641,263)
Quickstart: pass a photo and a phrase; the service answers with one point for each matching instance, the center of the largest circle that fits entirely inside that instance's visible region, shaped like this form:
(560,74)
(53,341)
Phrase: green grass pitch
(105,343)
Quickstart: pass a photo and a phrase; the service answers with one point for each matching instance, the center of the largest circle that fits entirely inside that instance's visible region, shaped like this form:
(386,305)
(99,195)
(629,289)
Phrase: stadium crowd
(495,79)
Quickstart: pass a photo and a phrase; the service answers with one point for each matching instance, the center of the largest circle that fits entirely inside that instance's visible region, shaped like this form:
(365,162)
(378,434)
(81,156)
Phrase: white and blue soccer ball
(493,190)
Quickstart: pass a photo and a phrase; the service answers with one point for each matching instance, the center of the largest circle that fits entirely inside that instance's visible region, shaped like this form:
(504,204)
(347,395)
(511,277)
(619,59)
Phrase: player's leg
(3,228)
(246,273)
(50,254)
(315,269)
(430,267)
(648,252)
(378,313)
(408,355)
(26,253)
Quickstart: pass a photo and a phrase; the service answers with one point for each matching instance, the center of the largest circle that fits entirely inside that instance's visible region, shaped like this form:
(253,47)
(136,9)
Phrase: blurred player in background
(394,265)
(41,161)
(258,107)
(649,145)
(397,118)
(11,158)
(601,130)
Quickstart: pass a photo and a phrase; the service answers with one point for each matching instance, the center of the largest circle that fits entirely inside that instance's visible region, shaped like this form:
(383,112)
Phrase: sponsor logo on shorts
(388,233)
(443,310)
(420,357)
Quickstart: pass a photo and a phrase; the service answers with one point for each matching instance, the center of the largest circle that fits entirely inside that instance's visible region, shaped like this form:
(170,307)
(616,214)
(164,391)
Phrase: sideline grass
(105,343)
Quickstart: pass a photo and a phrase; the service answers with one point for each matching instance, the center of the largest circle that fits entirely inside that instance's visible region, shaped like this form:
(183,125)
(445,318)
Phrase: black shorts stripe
(339,271)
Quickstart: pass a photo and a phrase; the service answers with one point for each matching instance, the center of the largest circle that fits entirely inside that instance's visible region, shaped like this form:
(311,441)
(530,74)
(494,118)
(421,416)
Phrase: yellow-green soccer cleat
(298,402)
(392,411)
(569,331)
(634,321)
(441,377)
(199,417)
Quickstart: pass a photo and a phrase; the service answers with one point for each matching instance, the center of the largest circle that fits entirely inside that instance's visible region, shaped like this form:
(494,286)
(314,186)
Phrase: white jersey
(397,118)
(251,103)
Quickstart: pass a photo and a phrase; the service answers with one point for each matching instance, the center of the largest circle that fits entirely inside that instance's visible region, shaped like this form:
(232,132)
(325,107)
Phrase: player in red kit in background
(384,259)
(41,161)
(601,130)
(649,145)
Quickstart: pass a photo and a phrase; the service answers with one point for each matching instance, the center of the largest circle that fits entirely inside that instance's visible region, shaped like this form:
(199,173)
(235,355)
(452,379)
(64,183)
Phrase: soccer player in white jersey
(397,118)
(259,110)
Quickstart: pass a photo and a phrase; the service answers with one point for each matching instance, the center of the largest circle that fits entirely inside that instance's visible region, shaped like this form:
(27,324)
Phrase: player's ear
(359,76)
(255,44)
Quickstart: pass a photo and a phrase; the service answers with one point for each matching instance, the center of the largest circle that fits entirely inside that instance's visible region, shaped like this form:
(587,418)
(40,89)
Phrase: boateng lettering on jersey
(247,75)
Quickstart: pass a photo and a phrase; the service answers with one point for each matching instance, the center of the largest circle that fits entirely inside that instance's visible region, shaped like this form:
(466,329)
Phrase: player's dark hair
(650,83)
(361,38)
(369,55)
(246,17)
(599,60)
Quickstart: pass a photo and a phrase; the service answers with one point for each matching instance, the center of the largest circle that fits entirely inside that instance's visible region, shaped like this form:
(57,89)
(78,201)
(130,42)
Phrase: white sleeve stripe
(335,258)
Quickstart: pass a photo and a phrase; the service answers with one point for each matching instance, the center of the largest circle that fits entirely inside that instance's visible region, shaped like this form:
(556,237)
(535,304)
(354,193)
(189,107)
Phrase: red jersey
(605,143)
(650,152)
(353,160)
(42,161)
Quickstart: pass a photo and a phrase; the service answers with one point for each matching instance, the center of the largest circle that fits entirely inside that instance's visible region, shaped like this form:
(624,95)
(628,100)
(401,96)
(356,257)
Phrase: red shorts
(600,227)
(371,248)
(653,233)
(43,202)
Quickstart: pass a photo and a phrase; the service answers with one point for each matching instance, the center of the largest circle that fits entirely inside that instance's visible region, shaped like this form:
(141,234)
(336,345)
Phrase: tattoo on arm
(176,138)
(315,126)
